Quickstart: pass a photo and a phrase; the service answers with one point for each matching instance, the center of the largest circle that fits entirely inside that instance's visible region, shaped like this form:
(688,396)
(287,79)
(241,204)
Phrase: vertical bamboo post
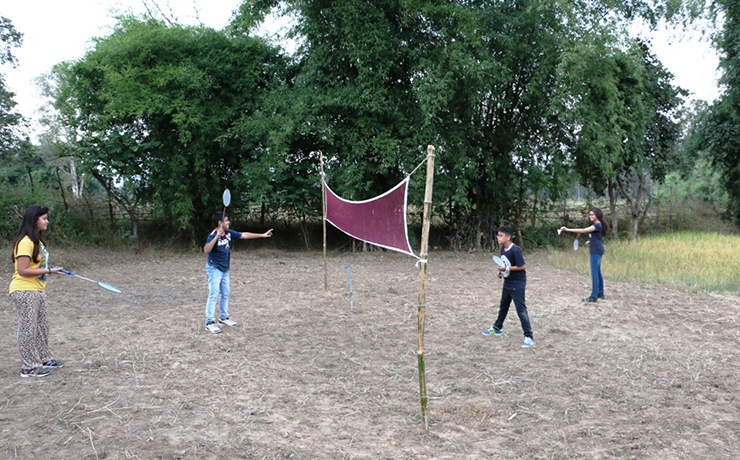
(422,283)
(323,212)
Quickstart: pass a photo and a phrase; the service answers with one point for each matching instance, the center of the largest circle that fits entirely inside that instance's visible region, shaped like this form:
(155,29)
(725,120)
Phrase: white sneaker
(229,322)
(212,327)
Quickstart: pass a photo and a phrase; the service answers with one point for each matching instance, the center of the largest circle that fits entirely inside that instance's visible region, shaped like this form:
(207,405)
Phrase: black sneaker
(601,296)
(589,299)
(35,372)
(53,364)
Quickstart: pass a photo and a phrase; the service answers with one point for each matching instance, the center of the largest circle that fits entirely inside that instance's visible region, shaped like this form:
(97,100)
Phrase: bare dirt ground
(650,373)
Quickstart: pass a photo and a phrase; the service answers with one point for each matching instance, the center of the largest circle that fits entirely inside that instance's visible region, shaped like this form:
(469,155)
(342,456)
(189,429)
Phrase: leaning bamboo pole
(422,283)
(323,212)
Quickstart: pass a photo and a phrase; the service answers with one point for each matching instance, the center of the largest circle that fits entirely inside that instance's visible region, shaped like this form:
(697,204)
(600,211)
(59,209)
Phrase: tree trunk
(89,208)
(636,202)
(613,206)
(78,181)
(135,230)
(304,230)
(128,207)
(30,178)
(61,189)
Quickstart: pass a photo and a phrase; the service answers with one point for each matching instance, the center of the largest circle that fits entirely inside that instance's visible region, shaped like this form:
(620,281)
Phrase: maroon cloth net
(380,221)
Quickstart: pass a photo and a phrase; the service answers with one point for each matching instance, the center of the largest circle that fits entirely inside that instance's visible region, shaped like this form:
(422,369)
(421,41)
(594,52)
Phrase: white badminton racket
(503,262)
(227,202)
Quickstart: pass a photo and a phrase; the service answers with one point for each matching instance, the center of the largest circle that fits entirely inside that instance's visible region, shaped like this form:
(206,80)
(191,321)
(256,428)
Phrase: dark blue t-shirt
(220,255)
(515,280)
(595,245)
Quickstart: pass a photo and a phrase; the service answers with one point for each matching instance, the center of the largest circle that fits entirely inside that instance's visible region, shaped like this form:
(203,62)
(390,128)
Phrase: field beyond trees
(650,373)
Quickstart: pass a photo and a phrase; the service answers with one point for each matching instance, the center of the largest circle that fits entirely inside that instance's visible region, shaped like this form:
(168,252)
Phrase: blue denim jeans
(218,286)
(596,279)
(517,295)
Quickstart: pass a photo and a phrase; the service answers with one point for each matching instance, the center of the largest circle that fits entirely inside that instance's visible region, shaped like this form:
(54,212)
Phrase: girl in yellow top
(27,291)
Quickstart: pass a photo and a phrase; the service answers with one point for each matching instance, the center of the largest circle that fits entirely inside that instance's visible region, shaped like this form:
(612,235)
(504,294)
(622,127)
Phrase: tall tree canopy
(484,81)
(157,105)
(515,94)
(720,130)
(10,121)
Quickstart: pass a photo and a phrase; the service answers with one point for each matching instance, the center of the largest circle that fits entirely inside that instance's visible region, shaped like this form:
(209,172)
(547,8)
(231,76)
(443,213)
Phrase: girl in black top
(596,231)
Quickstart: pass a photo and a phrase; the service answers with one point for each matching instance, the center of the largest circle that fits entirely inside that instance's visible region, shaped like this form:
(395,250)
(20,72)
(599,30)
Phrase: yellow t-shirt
(30,283)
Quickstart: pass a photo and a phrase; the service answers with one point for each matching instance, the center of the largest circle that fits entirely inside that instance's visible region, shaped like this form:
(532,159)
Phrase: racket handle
(66,272)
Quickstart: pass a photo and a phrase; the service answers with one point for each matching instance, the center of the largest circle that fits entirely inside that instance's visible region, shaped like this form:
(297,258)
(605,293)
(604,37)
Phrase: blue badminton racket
(99,283)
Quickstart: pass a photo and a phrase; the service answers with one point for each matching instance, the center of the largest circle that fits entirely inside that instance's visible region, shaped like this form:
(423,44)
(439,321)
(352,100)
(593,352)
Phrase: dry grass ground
(651,373)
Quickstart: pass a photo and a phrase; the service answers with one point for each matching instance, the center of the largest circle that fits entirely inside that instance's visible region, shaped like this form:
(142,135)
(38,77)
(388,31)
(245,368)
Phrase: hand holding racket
(504,266)
(575,242)
(99,283)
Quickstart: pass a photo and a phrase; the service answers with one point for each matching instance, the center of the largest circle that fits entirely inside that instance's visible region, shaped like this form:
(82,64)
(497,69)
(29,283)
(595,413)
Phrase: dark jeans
(521,310)
(596,279)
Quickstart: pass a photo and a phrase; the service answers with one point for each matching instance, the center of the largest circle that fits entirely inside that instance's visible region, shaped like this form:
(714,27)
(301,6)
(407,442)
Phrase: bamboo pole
(422,283)
(323,213)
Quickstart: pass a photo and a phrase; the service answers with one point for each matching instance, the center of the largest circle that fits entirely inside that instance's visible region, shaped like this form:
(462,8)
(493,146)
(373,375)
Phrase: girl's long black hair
(29,228)
(604,224)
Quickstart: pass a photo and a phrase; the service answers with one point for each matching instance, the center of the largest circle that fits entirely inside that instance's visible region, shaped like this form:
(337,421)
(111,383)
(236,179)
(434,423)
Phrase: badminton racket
(99,283)
(227,202)
(503,262)
(575,245)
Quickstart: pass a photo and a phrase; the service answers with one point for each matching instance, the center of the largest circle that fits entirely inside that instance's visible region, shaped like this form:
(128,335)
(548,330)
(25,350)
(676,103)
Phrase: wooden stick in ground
(422,283)
(323,212)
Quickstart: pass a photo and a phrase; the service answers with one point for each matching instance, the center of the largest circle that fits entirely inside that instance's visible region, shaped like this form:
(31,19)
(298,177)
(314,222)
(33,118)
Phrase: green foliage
(378,82)
(11,123)
(157,105)
(702,183)
(516,96)
(719,131)
(9,38)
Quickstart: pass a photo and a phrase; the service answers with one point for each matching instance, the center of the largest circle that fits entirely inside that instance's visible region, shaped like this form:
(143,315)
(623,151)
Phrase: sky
(61,30)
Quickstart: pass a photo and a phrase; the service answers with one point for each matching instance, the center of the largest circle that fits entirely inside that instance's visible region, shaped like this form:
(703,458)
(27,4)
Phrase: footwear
(212,327)
(229,322)
(528,342)
(601,296)
(53,364)
(35,372)
(493,331)
(589,299)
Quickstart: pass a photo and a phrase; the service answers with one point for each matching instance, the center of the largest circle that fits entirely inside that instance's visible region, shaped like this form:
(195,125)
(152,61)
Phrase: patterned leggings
(33,328)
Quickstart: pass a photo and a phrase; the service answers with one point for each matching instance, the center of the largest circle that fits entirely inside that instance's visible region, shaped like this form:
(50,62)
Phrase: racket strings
(109,287)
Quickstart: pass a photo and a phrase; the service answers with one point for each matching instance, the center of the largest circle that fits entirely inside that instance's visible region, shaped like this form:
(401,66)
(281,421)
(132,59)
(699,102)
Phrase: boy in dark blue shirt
(218,247)
(514,286)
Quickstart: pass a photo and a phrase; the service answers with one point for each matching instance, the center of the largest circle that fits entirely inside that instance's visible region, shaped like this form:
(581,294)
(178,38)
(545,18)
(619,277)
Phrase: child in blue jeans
(596,233)
(218,247)
(514,286)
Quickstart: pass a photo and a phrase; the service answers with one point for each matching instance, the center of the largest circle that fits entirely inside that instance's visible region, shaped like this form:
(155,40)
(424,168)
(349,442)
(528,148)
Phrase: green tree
(156,106)
(720,127)
(377,82)
(622,108)
(11,123)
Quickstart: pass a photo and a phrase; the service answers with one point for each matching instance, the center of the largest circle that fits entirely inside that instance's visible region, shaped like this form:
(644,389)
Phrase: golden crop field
(705,260)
